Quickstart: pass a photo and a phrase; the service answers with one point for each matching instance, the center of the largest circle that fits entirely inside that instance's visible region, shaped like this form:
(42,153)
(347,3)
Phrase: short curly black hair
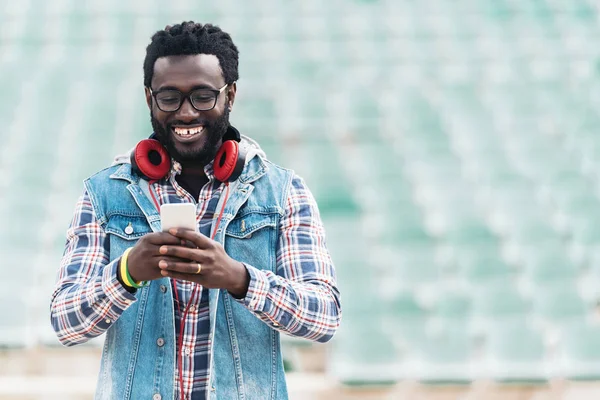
(189,38)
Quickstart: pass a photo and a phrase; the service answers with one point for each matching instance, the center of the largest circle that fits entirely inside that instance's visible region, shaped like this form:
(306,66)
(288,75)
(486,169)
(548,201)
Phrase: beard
(213,132)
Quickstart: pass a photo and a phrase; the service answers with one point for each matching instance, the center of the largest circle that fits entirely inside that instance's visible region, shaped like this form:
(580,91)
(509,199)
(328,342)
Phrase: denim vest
(246,361)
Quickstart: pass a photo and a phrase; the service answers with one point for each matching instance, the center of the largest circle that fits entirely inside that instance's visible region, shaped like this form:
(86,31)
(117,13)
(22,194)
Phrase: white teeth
(188,132)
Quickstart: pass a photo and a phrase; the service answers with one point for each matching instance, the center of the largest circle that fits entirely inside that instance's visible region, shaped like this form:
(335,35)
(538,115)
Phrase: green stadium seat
(495,305)
(405,318)
(444,357)
(578,217)
(533,231)
(484,271)
(411,266)
(470,253)
(404,231)
(572,201)
(468,232)
(383,162)
(586,234)
(451,310)
(585,240)
(336,198)
(516,354)
(579,357)
(570,183)
(359,362)
(537,256)
(256,108)
(549,273)
(559,305)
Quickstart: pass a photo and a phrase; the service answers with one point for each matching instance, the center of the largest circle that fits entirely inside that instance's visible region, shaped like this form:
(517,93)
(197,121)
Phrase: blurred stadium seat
(453,148)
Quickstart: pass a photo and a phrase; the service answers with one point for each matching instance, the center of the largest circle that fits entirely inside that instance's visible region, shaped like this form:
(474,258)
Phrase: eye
(203,97)
(169,100)
(168,97)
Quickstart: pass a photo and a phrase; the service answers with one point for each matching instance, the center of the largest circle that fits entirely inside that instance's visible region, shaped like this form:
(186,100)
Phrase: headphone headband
(232,134)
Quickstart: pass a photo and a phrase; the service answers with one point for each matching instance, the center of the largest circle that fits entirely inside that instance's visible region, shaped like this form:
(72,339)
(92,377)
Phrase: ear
(148,98)
(231,95)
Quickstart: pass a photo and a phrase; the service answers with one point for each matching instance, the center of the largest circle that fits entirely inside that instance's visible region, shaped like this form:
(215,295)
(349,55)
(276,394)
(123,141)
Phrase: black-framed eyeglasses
(170,100)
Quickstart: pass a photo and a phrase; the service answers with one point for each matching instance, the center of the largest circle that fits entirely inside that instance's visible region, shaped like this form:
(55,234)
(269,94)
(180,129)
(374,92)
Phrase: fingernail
(162,264)
(164,273)
(163,250)
(172,231)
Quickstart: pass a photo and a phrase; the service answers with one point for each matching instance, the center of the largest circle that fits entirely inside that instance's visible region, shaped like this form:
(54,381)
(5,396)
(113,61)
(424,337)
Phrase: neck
(192,179)
(193,170)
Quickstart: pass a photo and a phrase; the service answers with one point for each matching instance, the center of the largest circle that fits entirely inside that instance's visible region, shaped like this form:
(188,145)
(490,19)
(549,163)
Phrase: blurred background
(452,147)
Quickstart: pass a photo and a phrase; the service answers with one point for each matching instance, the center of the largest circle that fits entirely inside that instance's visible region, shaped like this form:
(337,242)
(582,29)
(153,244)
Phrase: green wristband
(129,280)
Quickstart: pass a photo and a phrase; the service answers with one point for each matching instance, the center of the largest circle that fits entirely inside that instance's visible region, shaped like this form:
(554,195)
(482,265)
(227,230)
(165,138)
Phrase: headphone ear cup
(229,162)
(150,159)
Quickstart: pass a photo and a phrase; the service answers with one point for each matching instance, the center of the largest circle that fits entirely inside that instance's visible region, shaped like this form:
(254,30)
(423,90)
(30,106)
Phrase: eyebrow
(203,86)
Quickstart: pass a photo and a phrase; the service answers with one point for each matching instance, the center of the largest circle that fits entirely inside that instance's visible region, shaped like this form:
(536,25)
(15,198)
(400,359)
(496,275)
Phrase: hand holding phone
(142,263)
(180,215)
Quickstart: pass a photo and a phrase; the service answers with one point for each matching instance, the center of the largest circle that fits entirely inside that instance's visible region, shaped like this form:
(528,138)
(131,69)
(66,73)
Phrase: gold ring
(199,268)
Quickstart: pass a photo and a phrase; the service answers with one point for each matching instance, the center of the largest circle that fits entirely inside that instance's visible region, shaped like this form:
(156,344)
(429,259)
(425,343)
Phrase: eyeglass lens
(170,100)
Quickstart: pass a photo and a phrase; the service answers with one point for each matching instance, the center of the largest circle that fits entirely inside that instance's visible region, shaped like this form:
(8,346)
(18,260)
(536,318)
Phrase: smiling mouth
(188,131)
(188,134)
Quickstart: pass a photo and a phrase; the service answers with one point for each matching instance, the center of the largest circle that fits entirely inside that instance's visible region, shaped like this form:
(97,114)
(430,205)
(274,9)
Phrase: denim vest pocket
(251,238)
(245,226)
(128,227)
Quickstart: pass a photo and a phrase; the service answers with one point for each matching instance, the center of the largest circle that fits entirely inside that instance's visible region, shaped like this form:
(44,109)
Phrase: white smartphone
(180,215)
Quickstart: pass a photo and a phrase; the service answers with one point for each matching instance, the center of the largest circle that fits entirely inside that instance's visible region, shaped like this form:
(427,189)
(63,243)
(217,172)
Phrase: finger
(169,259)
(201,241)
(160,238)
(182,277)
(182,252)
(188,243)
(182,267)
(179,242)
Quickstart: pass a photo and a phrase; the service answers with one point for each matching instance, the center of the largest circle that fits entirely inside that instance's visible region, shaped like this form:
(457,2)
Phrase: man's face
(190,136)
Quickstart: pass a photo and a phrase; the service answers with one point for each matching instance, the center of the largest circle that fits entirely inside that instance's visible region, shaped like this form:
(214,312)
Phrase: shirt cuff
(113,289)
(257,290)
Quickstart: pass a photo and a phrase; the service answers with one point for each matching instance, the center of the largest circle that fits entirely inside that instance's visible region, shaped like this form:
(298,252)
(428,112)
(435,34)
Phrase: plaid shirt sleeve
(87,297)
(302,298)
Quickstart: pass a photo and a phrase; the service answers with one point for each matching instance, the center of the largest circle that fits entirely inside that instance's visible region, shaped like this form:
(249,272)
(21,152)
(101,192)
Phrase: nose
(187,113)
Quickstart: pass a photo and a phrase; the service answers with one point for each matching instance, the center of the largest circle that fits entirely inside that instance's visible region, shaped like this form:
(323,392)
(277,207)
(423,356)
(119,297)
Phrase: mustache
(198,121)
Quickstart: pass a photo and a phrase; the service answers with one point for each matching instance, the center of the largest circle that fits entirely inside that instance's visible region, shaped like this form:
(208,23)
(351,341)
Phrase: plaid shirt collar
(176,170)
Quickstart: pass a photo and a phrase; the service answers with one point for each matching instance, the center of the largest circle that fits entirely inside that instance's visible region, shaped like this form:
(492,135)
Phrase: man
(185,315)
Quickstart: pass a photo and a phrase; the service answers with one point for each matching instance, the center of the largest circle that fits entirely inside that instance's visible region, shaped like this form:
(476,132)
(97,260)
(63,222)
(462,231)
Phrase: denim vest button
(129,229)
(163,288)
(160,342)
(157,396)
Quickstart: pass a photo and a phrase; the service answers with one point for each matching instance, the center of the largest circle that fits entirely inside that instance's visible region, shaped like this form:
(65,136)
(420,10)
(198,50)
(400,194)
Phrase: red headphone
(151,160)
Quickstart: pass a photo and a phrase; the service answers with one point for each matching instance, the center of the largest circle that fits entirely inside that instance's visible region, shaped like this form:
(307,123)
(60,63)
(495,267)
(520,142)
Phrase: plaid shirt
(300,300)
